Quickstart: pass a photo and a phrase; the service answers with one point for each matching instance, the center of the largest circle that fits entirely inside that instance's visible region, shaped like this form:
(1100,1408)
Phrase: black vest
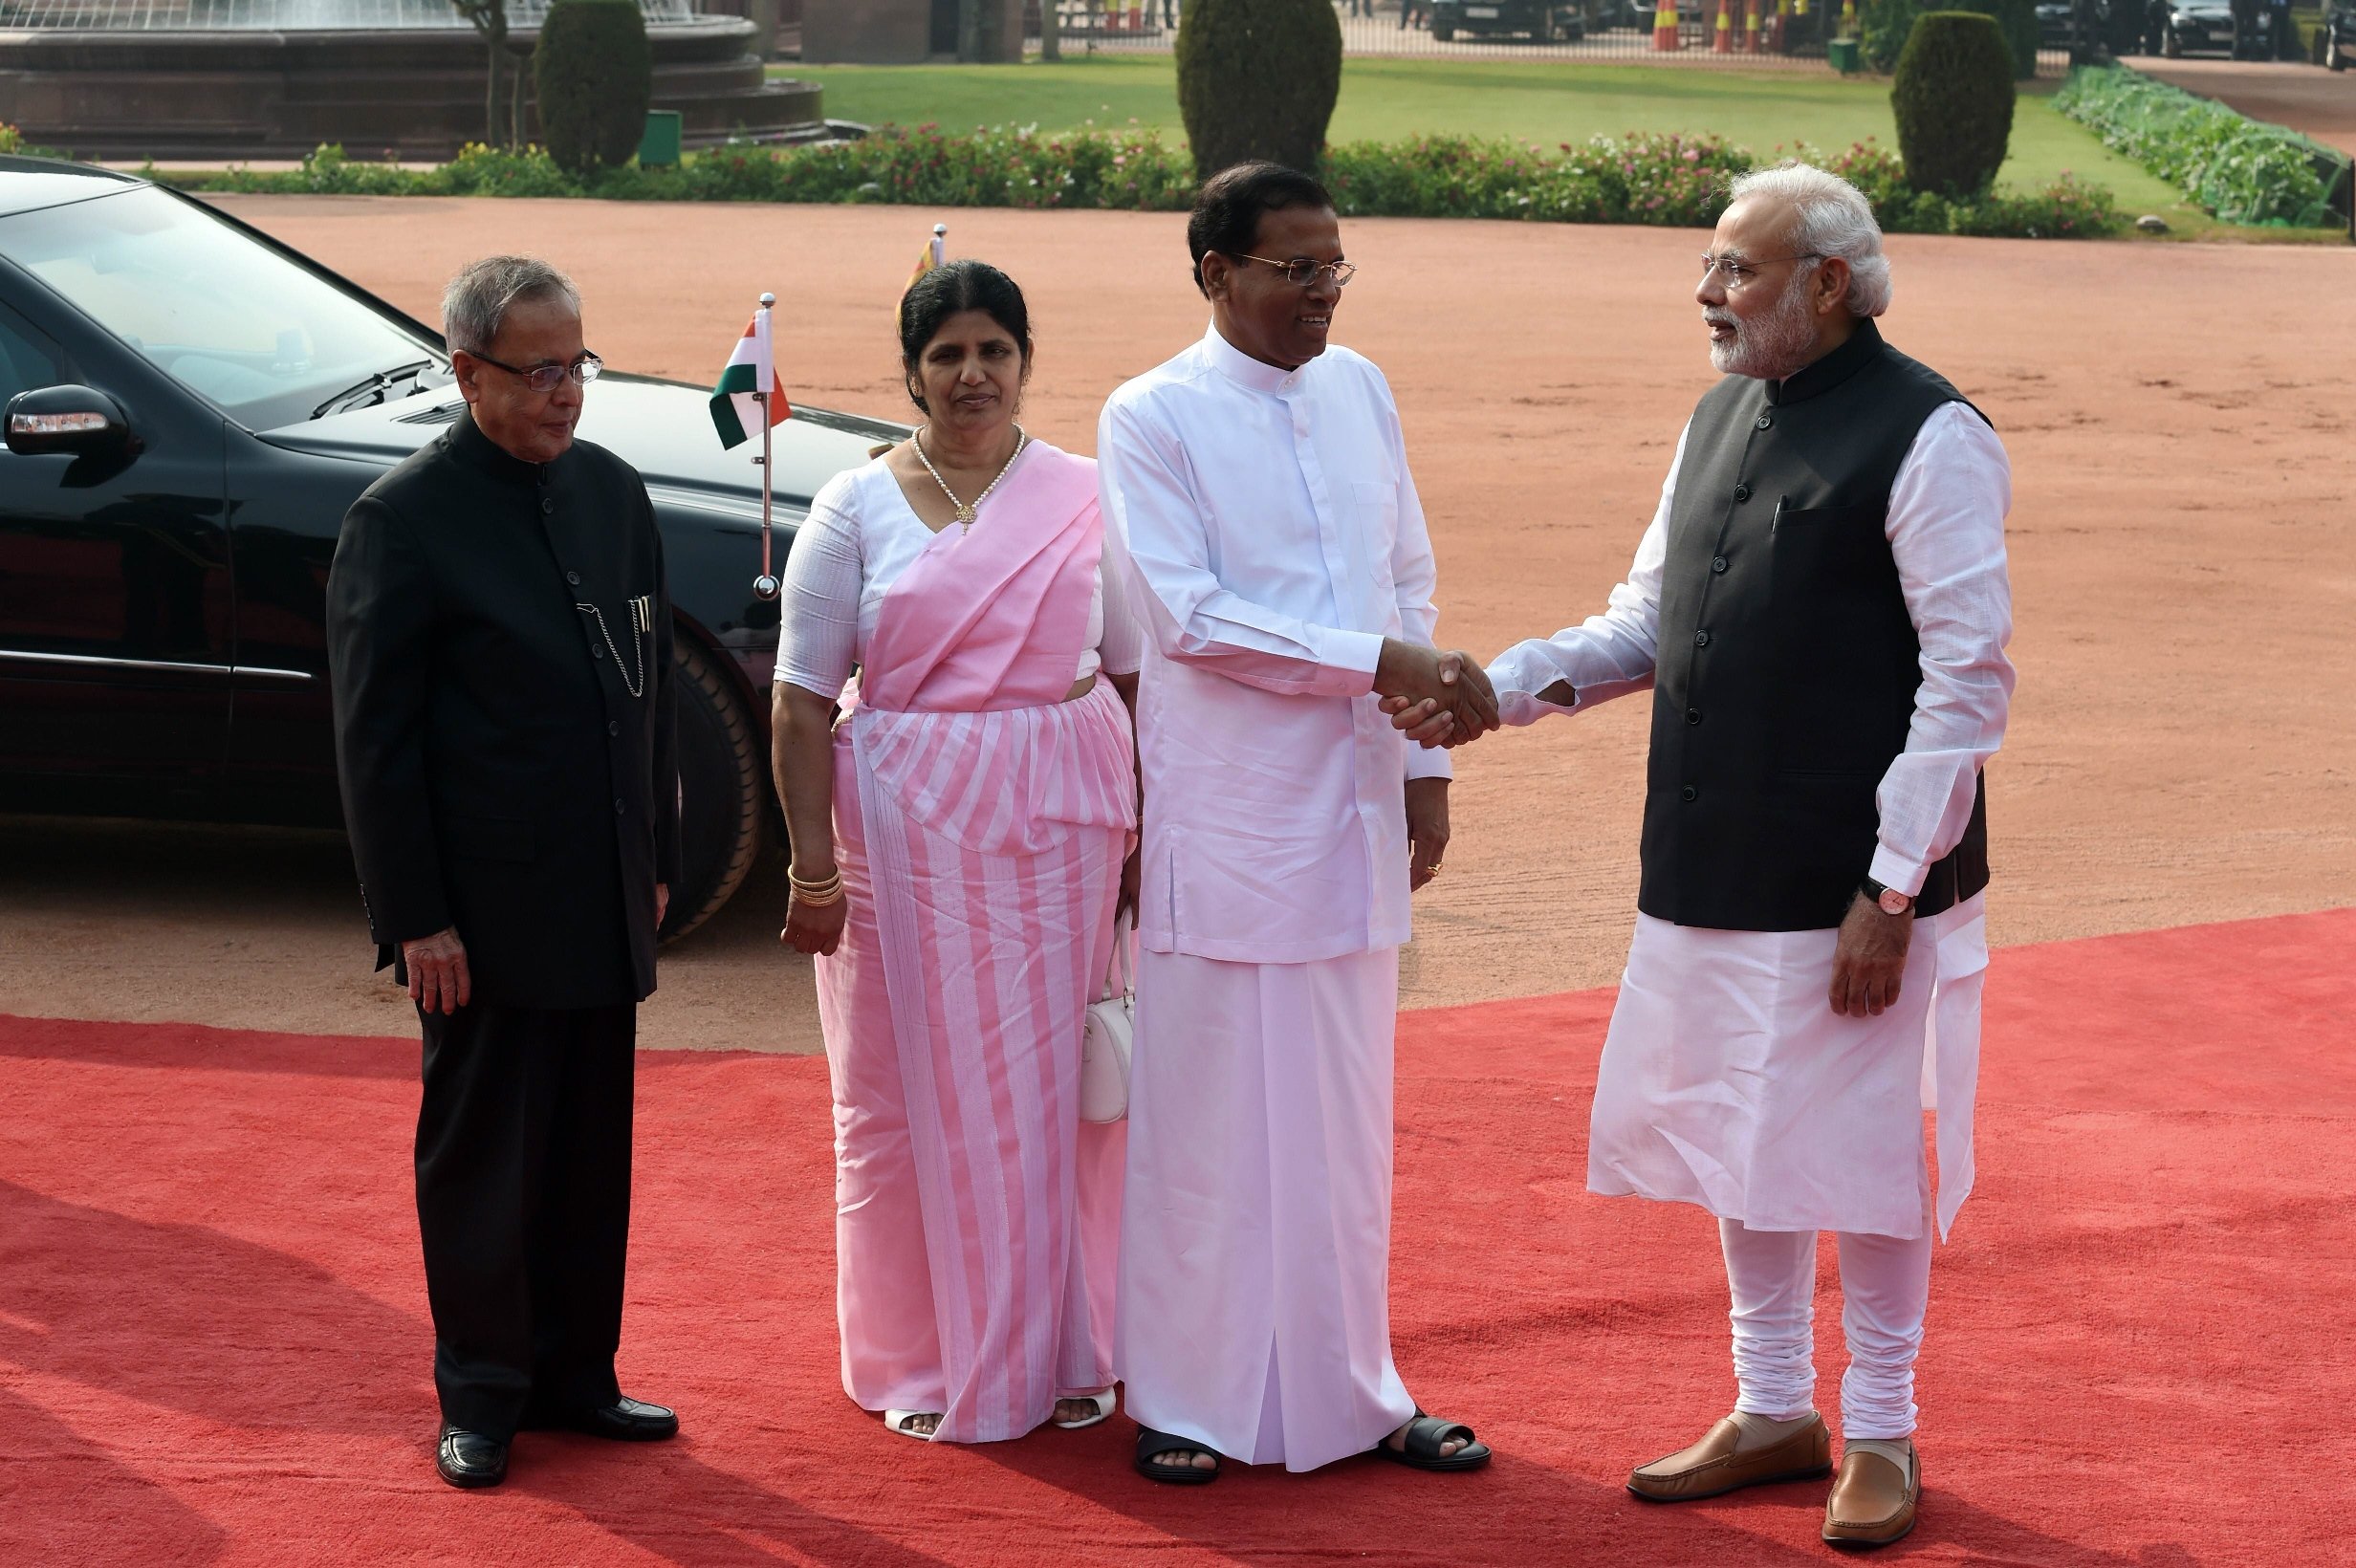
(1788,663)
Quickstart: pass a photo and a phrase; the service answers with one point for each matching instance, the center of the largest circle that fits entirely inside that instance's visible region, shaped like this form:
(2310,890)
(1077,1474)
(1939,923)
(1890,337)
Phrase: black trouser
(523,1199)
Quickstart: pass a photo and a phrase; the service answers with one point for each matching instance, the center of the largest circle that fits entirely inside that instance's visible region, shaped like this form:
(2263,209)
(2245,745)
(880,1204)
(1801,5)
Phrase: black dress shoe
(626,1421)
(470,1459)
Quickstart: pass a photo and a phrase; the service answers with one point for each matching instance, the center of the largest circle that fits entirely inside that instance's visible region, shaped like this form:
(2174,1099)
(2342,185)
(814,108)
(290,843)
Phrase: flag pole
(766,586)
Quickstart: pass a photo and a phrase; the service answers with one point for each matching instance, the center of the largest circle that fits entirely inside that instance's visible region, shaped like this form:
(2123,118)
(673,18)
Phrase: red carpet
(213,1344)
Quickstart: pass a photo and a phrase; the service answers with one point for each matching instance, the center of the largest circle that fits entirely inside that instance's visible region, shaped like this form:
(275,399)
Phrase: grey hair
(474,306)
(1830,217)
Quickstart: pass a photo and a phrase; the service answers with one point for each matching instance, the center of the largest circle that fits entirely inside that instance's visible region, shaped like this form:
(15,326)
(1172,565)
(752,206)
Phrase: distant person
(961,840)
(1260,484)
(499,640)
(1819,610)
(1414,13)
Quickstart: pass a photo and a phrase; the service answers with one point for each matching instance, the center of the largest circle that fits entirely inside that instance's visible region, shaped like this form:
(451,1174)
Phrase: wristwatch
(1888,900)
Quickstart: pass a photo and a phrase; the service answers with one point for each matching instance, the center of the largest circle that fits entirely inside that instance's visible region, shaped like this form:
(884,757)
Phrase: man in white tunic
(1257,485)
(1821,609)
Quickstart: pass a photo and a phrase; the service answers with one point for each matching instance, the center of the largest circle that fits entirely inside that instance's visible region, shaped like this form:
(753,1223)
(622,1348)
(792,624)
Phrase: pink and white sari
(980,823)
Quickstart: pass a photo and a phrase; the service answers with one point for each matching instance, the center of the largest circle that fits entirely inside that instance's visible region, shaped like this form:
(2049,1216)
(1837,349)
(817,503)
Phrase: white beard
(1772,344)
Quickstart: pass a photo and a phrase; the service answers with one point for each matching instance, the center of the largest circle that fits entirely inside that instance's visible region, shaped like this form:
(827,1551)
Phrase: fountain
(248,80)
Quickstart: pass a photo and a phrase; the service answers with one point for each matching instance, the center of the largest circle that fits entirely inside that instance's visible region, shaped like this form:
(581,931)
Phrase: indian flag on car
(751,369)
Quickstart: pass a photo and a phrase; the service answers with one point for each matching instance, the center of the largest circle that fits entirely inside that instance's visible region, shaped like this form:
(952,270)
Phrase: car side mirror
(79,420)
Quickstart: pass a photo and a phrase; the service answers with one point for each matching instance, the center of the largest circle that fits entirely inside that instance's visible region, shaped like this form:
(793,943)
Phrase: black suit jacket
(499,637)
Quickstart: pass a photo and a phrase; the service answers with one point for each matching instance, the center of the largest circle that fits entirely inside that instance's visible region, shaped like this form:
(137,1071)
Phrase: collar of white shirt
(1241,368)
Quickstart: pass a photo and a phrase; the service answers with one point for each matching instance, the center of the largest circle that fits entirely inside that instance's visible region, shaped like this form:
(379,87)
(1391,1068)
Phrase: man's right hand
(438,977)
(1450,692)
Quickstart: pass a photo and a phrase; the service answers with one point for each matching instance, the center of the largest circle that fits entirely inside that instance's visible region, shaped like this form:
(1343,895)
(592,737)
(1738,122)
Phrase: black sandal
(1424,1436)
(1151,1444)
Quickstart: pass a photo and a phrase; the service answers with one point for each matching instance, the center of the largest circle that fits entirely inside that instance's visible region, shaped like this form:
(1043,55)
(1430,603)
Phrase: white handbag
(1105,1037)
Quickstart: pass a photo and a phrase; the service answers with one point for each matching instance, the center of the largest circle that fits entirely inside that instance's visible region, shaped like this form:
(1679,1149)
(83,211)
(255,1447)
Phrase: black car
(190,407)
(1542,21)
(2340,35)
(2209,26)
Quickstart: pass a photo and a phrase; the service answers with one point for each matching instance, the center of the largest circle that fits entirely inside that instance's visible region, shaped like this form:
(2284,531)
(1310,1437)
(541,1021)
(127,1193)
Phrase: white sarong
(1728,1082)
(1254,1309)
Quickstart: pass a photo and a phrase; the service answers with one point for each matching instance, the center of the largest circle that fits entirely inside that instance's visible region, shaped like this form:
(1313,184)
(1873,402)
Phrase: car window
(27,359)
(255,334)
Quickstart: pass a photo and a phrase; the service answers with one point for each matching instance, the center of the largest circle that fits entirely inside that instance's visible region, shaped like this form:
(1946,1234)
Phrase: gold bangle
(819,901)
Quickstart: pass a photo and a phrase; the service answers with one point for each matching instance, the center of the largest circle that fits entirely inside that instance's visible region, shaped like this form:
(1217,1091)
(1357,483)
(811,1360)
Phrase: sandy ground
(2180,426)
(2305,97)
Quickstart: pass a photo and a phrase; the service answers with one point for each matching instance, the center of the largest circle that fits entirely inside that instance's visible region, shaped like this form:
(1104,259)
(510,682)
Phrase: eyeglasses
(1301,272)
(1738,272)
(544,377)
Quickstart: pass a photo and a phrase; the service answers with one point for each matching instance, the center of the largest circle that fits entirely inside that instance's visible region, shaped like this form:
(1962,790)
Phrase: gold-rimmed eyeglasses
(1737,271)
(1302,272)
(544,378)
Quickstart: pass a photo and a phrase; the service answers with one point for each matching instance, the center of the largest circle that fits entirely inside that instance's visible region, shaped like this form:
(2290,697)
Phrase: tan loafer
(1872,1504)
(1712,1466)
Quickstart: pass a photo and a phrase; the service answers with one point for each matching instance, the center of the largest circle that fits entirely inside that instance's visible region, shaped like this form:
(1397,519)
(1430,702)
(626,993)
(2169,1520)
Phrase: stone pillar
(867,31)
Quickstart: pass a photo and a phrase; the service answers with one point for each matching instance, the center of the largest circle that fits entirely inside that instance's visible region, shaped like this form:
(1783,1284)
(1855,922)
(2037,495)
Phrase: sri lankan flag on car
(751,369)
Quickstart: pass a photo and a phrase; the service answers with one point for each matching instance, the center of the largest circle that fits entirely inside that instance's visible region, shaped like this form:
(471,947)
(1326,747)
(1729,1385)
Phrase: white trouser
(1884,1288)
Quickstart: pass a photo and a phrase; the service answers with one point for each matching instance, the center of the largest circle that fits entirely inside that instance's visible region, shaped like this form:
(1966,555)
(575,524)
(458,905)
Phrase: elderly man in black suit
(500,641)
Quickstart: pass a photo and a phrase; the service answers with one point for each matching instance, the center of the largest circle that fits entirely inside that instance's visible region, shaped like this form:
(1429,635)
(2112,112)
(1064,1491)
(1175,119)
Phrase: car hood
(661,429)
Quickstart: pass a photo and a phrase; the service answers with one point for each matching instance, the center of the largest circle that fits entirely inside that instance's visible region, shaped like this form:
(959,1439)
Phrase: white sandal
(1103,1403)
(896,1421)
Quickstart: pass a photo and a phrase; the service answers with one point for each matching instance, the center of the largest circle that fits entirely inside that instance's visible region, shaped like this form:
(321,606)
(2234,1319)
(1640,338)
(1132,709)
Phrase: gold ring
(1434,870)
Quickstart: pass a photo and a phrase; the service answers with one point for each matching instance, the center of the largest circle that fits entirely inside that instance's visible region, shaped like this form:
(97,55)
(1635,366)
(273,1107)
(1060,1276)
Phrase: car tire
(2172,48)
(721,779)
(2334,57)
(1442,34)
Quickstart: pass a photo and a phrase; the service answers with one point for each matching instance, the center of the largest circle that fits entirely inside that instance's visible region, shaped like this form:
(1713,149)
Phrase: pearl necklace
(965,512)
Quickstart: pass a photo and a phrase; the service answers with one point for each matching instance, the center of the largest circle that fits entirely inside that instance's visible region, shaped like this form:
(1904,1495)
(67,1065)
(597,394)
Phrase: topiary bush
(594,73)
(1257,79)
(1953,98)
(1888,24)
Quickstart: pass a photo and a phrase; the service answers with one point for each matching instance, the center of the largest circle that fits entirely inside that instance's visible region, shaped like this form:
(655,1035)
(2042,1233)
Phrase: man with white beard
(1821,609)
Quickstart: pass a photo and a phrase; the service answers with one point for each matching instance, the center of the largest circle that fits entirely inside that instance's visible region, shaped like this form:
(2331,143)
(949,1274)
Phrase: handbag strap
(1119,982)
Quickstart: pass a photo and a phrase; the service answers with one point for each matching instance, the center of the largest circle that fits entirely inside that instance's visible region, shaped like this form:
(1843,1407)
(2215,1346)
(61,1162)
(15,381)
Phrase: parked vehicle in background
(2340,33)
(2209,27)
(1541,21)
(190,408)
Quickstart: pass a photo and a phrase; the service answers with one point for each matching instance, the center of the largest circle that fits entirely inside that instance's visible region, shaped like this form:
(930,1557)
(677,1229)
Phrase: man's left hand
(661,903)
(1427,829)
(1869,959)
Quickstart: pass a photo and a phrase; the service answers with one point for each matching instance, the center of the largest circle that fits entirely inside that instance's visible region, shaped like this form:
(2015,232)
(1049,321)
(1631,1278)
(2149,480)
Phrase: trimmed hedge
(1661,179)
(593,73)
(1888,24)
(1258,78)
(1952,100)
(2242,170)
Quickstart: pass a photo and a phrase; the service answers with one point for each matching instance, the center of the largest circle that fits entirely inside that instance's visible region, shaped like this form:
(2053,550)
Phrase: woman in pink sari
(961,838)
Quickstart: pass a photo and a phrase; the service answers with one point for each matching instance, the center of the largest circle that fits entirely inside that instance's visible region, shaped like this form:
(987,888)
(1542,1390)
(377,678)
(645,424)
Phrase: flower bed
(2243,170)
(1658,179)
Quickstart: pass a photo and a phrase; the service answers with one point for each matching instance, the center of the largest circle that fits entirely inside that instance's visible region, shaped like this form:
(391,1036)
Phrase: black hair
(953,287)
(1227,208)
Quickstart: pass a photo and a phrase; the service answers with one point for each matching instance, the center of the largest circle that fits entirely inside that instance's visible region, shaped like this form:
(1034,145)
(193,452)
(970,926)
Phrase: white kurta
(1273,539)
(1727,1079)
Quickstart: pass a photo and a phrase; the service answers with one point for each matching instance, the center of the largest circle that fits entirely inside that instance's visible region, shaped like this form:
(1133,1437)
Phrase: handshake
(1439,699)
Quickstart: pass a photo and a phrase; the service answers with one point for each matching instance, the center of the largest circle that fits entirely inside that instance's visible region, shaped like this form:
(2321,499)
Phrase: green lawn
(1386,100)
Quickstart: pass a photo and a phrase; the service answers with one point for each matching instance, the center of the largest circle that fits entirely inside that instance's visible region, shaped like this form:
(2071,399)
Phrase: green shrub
(1657,179)
(593,74)
(1953,98)
(2241,169)
(1257,79)
(2068,210)
(1888,24)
